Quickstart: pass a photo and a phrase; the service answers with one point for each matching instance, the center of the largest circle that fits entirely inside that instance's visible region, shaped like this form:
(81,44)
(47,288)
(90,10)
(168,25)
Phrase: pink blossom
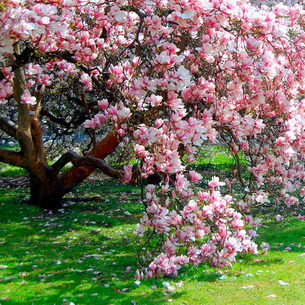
(86,80)
(215,182)
(90,123)
(195,177)
(112,111)
(159,123)
(103,104)
(123,112)
(203,196)
(140,150)
(27,98)
(150,188)
(155,100)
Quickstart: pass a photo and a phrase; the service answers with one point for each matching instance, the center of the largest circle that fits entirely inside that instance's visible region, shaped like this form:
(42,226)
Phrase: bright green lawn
(80,255)
(11,171)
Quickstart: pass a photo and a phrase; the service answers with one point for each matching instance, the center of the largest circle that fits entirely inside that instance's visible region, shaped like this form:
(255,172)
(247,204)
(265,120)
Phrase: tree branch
(79,161)
(64,160)
(8,126)
(12,157)
(100,164)
(55,119)
(90,163)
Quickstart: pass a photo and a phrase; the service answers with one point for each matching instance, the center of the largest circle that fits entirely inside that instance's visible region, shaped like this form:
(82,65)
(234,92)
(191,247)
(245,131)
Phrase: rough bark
(12,157)
(45,192)
(77,174)
(48,187)
(48,184)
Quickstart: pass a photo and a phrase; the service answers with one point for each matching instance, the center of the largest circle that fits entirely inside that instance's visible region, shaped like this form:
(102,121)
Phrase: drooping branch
(79,161)
(77,174)
(8,126)
(98,164)
(12,157)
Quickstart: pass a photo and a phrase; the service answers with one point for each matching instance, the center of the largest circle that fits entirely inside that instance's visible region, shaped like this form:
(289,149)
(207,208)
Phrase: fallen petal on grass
(9,278)
(171,288)
(283,283)
(272,296)
(223,277)
(247,287)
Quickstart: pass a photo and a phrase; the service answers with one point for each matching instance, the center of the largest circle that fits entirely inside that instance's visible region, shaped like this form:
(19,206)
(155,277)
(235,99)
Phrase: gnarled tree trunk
(45,191)
(48,184)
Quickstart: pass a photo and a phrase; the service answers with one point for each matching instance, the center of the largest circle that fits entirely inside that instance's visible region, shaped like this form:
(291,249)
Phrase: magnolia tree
(168,76)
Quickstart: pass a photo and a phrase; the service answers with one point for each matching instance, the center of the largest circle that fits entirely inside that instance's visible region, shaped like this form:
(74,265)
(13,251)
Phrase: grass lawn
(80,256)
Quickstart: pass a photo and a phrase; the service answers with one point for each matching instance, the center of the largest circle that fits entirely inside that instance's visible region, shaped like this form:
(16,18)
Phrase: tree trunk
(48,185)
(45,192)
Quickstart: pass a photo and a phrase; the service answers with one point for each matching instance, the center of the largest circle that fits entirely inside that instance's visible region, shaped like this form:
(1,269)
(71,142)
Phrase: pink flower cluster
(206,229)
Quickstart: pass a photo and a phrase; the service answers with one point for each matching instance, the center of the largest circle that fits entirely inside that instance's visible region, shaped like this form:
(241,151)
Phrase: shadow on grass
(288,235)
(79,255)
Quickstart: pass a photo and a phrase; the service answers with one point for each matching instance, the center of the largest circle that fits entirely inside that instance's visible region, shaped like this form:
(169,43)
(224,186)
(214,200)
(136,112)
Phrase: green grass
(214,155)
(80,255)
(215,159)
(11,171)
